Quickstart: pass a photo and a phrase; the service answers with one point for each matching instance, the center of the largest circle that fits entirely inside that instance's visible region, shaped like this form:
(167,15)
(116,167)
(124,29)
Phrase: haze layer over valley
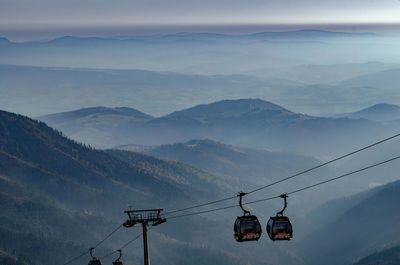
(310,71)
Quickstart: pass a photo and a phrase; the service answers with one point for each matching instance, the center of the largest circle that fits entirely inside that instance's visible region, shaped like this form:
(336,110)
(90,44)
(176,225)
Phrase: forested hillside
(59,196)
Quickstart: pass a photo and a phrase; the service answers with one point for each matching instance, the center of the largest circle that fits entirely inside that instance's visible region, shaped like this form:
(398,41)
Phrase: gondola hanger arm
(284,196)
(240,195)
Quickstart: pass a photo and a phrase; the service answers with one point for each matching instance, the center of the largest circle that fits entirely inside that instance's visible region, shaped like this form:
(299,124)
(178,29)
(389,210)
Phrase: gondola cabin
(247,228)
(279,228)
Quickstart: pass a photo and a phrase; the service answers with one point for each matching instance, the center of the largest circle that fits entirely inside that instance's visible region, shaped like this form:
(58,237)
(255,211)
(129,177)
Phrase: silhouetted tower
(144,217)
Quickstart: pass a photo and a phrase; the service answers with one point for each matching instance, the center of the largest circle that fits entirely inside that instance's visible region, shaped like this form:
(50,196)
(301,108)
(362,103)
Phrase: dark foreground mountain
(59,198)
(352,228)
(390,256)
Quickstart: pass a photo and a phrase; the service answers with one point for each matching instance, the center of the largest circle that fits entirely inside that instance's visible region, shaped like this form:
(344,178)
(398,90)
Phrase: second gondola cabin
(279,226)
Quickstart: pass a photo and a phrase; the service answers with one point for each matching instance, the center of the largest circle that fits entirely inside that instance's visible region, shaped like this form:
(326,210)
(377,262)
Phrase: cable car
(94,260)
(118,261)
(246,227)
(279,226)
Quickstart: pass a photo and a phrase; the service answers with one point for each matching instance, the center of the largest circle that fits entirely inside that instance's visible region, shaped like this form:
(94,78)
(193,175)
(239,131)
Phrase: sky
(64,15)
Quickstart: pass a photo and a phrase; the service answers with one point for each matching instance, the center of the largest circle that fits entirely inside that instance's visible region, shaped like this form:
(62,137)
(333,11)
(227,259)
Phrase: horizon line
(49,33)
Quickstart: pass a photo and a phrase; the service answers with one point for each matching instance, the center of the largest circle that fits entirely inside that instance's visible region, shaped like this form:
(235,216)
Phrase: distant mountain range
(287,55)
(334,73)
(379,112)
(156,92)
(295,34)
(160,92)
(387,79)
(4,41)
(244,122)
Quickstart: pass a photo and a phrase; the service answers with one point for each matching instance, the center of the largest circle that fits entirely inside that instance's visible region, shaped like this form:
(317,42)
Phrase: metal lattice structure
(144,217)
(149,216)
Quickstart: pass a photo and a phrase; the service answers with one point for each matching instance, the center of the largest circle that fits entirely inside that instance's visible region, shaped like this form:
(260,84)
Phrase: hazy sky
(53,13)
(29,19)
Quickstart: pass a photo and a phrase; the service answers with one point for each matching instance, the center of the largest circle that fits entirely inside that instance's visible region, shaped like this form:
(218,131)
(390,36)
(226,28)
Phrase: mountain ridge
(99,110)
(94,167)
(386,79)
(228,107)
(292,33)
(241,122)
(360,217)
(383,112)
(389,256)
(238,166)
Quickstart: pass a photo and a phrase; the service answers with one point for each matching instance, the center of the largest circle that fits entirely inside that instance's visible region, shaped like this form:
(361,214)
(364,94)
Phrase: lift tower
(144,217)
